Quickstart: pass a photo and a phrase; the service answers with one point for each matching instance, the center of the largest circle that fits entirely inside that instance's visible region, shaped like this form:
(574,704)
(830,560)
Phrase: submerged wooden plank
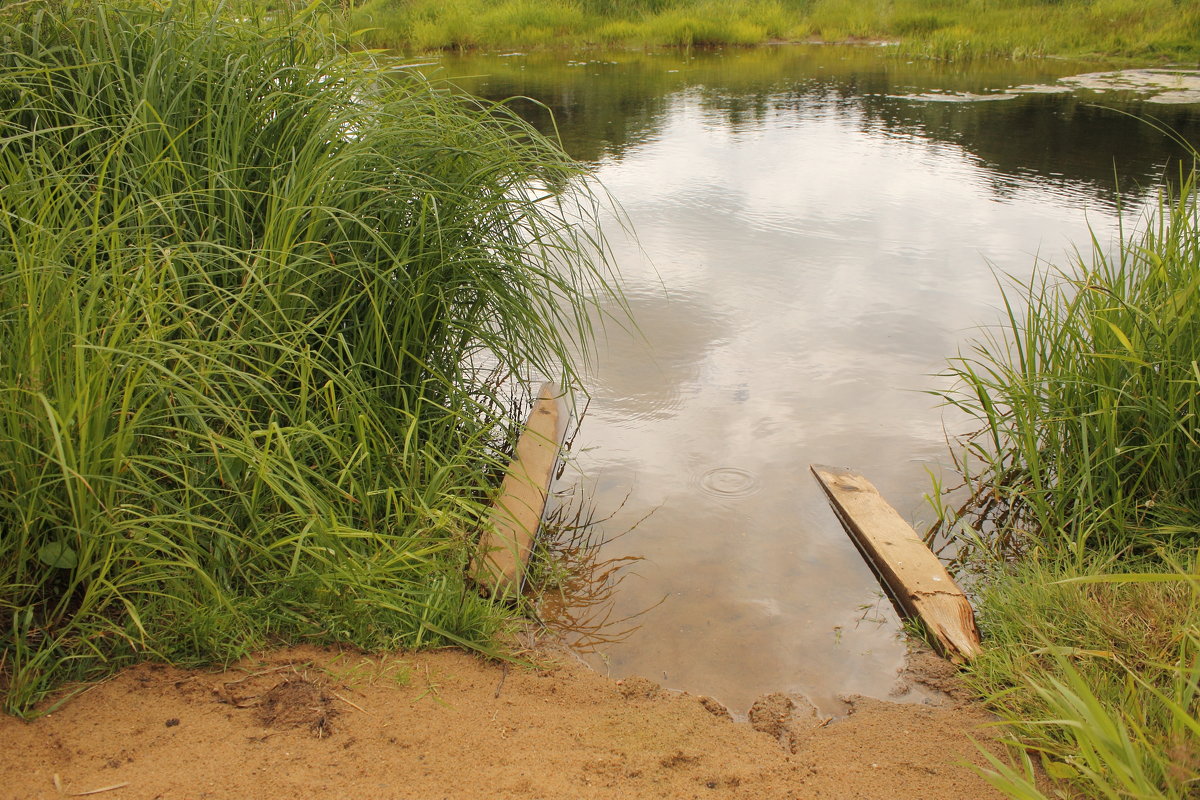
(516,514)
(909,570)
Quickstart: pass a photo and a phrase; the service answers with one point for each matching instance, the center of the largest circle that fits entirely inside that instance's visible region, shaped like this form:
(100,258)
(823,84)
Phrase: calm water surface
(814,242)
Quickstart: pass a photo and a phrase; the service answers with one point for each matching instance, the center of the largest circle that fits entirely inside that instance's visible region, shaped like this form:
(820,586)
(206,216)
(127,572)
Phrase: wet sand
(313,723)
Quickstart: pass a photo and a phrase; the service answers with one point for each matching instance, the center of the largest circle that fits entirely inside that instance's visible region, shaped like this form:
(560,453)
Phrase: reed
(1089,398)
(258,296)
(1085,514)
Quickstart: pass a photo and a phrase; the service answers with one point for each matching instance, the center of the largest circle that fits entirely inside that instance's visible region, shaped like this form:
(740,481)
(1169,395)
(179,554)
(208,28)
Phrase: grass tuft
(1085,515)
(1090,397)
(255,295)
(1097,679)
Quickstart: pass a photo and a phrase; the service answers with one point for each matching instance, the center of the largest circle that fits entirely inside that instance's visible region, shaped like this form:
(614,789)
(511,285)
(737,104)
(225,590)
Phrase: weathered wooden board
(909,570)
(516,514)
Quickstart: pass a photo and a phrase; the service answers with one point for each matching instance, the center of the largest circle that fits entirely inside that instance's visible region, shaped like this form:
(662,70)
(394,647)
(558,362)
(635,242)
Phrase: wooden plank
(912,574)
(516,514)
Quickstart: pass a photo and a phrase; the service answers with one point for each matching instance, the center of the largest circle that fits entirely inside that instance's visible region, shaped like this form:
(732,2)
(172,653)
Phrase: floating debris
(1041,89)
(1174,86)
(1168,86)
(1176,98)
(955,97)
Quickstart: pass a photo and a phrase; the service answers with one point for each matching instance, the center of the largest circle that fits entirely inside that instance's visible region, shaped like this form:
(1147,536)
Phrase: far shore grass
(1149,31)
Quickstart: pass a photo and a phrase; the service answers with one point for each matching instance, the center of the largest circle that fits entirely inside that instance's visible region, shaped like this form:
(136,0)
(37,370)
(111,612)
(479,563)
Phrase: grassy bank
(953,29)
(243,278)
(1087,490)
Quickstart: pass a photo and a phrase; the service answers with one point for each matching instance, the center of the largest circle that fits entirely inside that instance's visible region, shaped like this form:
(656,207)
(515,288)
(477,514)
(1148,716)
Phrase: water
(820,229)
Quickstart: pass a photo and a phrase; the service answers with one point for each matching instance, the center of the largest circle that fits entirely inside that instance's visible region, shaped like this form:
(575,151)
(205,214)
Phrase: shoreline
(1100,59)
(321,723)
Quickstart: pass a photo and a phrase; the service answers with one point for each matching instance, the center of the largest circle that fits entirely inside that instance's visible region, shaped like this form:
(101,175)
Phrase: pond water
(819,230)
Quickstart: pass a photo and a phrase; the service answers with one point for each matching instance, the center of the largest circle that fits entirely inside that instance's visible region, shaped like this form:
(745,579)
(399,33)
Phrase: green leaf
(232,468)
(1120,334)
(1059,770)
(59,555)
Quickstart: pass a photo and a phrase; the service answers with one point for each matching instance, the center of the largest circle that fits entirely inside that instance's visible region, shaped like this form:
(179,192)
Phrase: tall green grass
(257,299)
(1085,514)
(1090,396)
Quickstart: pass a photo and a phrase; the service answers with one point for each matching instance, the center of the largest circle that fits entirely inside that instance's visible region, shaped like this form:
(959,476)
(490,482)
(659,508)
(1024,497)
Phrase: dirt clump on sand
(788,719)
(928,674)
(312,723)
(297,704)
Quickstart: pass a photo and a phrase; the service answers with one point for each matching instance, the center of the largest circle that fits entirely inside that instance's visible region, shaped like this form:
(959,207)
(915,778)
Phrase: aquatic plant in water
(1089,398)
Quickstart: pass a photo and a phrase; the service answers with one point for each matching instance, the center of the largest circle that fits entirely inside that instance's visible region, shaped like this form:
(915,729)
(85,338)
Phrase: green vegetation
(259,296)
(1090,397)
(949,29)
(1087,487)
(1097,676)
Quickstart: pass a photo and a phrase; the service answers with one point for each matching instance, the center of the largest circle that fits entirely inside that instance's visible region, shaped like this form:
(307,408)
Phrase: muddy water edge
(819,228)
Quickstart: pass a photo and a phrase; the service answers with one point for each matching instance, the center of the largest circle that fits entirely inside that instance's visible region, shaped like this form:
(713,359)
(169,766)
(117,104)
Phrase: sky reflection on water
(810,253)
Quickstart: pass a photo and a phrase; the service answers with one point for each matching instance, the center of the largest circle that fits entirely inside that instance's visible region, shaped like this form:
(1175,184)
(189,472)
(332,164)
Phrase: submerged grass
(948,29)
(244,276)
(1085,515)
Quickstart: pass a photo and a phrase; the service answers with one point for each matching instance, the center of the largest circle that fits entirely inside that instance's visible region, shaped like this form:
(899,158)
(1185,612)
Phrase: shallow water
(816,238)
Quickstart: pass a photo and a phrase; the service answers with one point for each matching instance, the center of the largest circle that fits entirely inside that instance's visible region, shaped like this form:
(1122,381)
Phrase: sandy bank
(309,723)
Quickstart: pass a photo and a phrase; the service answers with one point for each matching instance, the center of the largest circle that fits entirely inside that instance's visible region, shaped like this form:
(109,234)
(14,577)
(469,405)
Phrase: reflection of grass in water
(1157,29)
(573,587)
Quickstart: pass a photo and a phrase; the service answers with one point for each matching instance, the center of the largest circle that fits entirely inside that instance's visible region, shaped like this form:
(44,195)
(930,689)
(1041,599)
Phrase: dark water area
(602,105)
(819,229)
